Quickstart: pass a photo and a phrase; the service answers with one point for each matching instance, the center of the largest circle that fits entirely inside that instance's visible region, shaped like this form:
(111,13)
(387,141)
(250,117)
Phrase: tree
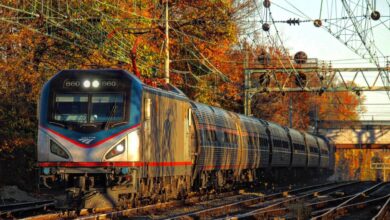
(39,38)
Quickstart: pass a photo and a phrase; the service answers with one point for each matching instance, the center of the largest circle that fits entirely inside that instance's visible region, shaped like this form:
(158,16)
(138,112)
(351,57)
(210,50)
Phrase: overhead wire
(126,46)
(115,38)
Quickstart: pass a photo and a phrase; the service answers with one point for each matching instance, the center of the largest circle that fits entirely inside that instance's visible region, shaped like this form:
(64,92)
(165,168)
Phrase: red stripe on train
(112,164)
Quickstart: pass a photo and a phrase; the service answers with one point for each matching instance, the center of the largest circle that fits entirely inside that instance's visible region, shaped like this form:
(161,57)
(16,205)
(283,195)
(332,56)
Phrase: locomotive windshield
(71,108)
(89,108)
(106,107)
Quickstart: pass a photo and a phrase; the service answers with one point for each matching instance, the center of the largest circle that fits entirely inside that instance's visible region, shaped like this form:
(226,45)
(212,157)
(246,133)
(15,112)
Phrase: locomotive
(107,139)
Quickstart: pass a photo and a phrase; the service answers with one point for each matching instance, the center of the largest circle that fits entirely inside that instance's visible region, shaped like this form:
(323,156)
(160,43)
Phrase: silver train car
(107,139)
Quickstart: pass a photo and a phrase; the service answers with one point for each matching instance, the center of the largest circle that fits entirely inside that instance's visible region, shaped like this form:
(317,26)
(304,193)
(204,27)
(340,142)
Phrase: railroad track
(205,201)
(357,205)
(317,198)
(16,209)
(384,212)
(274,206)
(249,204)
(109,213)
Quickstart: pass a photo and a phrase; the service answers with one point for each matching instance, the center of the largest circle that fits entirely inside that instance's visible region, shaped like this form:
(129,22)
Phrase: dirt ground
(14,194)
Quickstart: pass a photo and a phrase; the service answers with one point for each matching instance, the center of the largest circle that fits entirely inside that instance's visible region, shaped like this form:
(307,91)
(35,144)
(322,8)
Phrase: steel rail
(339,210)
(344,209)
(10,209)
(275,208)
(99,213)
(384,212)
(229,208)
(285,210)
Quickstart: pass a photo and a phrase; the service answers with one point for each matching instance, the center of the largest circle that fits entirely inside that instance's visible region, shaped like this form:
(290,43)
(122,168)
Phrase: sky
(319,43)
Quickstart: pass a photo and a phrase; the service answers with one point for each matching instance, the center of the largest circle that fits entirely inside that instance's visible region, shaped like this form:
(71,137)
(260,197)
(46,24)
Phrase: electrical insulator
(375,15)
(317,23)
(358,93)
(266,3)
(293,21)
(265,27)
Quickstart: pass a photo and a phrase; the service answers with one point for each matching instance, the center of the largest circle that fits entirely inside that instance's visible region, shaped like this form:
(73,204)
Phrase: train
(107,139)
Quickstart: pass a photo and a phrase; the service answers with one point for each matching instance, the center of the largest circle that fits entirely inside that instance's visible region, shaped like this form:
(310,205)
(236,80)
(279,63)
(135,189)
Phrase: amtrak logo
(86,140)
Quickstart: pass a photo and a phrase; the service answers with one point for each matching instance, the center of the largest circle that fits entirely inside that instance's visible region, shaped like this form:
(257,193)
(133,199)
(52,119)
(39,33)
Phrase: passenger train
(107,138)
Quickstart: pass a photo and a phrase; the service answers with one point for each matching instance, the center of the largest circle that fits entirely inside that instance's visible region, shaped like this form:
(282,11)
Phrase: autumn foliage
(206,57)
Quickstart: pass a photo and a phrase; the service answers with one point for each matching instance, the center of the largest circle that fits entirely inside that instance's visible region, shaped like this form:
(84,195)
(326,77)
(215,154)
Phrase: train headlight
(95,84)
(118,149)
(87,83)
(57,150)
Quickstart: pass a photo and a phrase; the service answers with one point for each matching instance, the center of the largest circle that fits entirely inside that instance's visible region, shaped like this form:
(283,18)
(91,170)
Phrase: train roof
(212,115)
(114,72)
(167,90)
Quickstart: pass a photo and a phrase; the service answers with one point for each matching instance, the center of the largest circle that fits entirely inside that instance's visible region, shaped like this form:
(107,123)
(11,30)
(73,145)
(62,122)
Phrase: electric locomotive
(107,139)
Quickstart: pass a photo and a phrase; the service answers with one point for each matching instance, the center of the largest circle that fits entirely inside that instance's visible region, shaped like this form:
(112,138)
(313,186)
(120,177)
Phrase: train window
(276,143)
(107,107)
(285,144)
(227,137)
(263,142)
(299,147)
(71,108)
(205,136)
(249,139)
(213,136)
(313,149)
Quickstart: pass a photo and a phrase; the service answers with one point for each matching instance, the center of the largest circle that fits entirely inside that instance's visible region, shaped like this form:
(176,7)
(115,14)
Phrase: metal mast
(166,73)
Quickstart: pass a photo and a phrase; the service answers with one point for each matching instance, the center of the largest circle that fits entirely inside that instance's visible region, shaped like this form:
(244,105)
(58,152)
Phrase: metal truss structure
(352,23)
(312,78)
